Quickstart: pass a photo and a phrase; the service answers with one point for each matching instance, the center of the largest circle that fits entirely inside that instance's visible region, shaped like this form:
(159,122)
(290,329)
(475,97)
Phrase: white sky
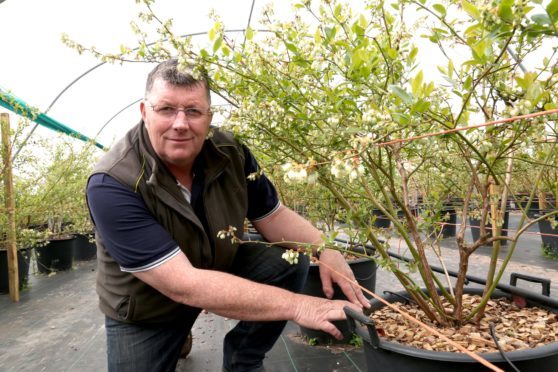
(36,66)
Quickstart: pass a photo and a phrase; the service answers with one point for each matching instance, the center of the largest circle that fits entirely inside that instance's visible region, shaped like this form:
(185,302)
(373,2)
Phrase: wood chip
(516,328)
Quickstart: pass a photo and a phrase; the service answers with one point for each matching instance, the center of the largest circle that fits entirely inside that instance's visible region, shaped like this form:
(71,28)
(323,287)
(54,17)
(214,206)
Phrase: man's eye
(193,113)
(166,110)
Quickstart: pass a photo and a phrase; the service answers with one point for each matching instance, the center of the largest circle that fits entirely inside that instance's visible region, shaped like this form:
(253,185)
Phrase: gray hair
(169,71)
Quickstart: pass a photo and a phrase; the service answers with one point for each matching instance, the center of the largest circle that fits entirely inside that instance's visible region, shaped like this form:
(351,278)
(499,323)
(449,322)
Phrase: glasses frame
(175,110)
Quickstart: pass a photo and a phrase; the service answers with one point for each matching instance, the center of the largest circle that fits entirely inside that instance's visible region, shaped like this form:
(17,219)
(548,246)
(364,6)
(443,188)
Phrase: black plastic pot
(391,356)
(549,236)
(23,258)
(533,208)
(84,249)
(475,228)
(381,219)
(447,227)
(56,255)
(365,273)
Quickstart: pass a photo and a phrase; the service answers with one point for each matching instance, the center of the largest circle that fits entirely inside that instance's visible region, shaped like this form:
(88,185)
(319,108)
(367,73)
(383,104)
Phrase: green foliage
(330,98)
(356,340)
(49,185)
(549,252)
(312,341)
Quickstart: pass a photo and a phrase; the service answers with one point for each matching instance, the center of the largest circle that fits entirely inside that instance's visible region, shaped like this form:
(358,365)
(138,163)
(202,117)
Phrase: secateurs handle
(356,316)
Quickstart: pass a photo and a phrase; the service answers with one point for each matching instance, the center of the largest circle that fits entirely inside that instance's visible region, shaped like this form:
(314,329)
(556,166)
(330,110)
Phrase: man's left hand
(336,270)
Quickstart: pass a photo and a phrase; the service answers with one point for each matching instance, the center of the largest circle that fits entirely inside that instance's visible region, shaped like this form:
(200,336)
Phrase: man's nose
(181,121)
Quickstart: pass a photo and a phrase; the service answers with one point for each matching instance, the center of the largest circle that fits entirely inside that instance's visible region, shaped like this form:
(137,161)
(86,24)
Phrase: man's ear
(142,109)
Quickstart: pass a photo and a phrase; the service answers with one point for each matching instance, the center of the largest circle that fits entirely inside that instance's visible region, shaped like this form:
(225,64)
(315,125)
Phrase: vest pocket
(125,308)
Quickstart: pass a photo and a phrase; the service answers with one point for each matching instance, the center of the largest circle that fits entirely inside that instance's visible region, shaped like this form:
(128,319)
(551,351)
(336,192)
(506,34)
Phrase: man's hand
(334,265)
(317,313)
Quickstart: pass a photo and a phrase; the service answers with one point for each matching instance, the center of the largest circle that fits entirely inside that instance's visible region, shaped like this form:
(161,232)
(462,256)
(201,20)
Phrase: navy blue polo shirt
(132,235)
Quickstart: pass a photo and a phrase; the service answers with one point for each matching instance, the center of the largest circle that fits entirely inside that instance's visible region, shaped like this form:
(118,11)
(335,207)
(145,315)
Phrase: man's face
(176,139)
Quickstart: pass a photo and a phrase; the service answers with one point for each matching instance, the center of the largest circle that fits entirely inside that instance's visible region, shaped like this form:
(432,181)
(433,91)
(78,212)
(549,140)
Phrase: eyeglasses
(170,112)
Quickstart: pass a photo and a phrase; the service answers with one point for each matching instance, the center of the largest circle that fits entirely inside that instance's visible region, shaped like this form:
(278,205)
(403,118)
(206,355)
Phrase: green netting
(21,108)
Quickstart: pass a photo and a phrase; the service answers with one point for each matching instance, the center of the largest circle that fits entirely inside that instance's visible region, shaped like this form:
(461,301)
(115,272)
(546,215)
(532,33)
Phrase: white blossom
(291,256)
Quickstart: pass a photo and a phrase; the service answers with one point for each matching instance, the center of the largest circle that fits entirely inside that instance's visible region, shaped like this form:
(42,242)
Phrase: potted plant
(62,211)
(342,97)
(23,186)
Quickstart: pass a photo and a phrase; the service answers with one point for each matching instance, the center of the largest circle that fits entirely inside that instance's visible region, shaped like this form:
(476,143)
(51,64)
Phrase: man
(158,199)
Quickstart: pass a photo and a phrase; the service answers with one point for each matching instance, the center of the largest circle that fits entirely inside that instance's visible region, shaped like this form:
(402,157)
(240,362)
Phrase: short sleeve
(262,196)
(130,233)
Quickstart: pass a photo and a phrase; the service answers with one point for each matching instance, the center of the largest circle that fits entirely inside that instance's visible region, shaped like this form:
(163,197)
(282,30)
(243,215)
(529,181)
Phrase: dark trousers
(133,347)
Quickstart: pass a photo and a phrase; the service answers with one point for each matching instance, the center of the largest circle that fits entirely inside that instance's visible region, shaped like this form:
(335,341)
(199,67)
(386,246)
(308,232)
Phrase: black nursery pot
(364,270)
(381,219)
(549,236)
(23,259)
(448,227)
(84,249)
(56,255)
(384,355)
(475,228)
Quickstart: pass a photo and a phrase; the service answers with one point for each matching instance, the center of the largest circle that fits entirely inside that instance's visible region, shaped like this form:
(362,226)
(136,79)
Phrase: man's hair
(169,72)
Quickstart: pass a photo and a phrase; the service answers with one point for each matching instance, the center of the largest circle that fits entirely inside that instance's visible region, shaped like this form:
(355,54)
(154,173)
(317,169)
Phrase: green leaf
(541,19)
(421,106)
(472,10)
(291,47)
(428,89)
(401,93)
(552,10)
(468,83)
(362,21)
(318,36)
(413,53)
(416,84)
(337,11)
(526,81)
(211,34)
(217,44)
(505,10)
(249,33)
(451,68)
(330,33)
(440,9)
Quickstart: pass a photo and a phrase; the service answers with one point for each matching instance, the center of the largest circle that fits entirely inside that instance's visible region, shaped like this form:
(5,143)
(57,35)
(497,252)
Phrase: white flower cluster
(299,172)
(230,232)
(522,107)
(362,141)
(350,167)
(291,256)
(370,114)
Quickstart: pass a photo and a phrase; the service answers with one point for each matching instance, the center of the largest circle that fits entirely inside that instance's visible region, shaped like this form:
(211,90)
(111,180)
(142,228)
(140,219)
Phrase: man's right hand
(318,313)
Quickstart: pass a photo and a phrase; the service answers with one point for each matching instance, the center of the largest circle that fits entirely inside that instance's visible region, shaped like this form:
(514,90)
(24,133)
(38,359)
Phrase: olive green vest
(133,163)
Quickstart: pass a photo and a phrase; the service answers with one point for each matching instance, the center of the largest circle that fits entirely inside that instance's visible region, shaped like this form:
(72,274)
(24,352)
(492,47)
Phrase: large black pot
(364,270)
(549,236)
(475,228)
(56,255)
(23,258)
(533,208)
(380,219)
(384,355)
(447,226)
(84,248)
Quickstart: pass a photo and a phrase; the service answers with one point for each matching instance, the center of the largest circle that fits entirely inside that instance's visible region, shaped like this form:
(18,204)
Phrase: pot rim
(524,354)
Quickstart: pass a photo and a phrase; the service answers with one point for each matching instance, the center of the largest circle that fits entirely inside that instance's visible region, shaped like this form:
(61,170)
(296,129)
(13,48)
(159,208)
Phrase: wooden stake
(13,277)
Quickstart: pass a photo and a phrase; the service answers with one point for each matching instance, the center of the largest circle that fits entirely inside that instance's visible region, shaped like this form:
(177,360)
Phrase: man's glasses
(170,112)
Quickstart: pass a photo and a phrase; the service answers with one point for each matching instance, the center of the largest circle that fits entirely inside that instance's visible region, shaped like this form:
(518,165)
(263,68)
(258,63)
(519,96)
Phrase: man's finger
(362,299)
